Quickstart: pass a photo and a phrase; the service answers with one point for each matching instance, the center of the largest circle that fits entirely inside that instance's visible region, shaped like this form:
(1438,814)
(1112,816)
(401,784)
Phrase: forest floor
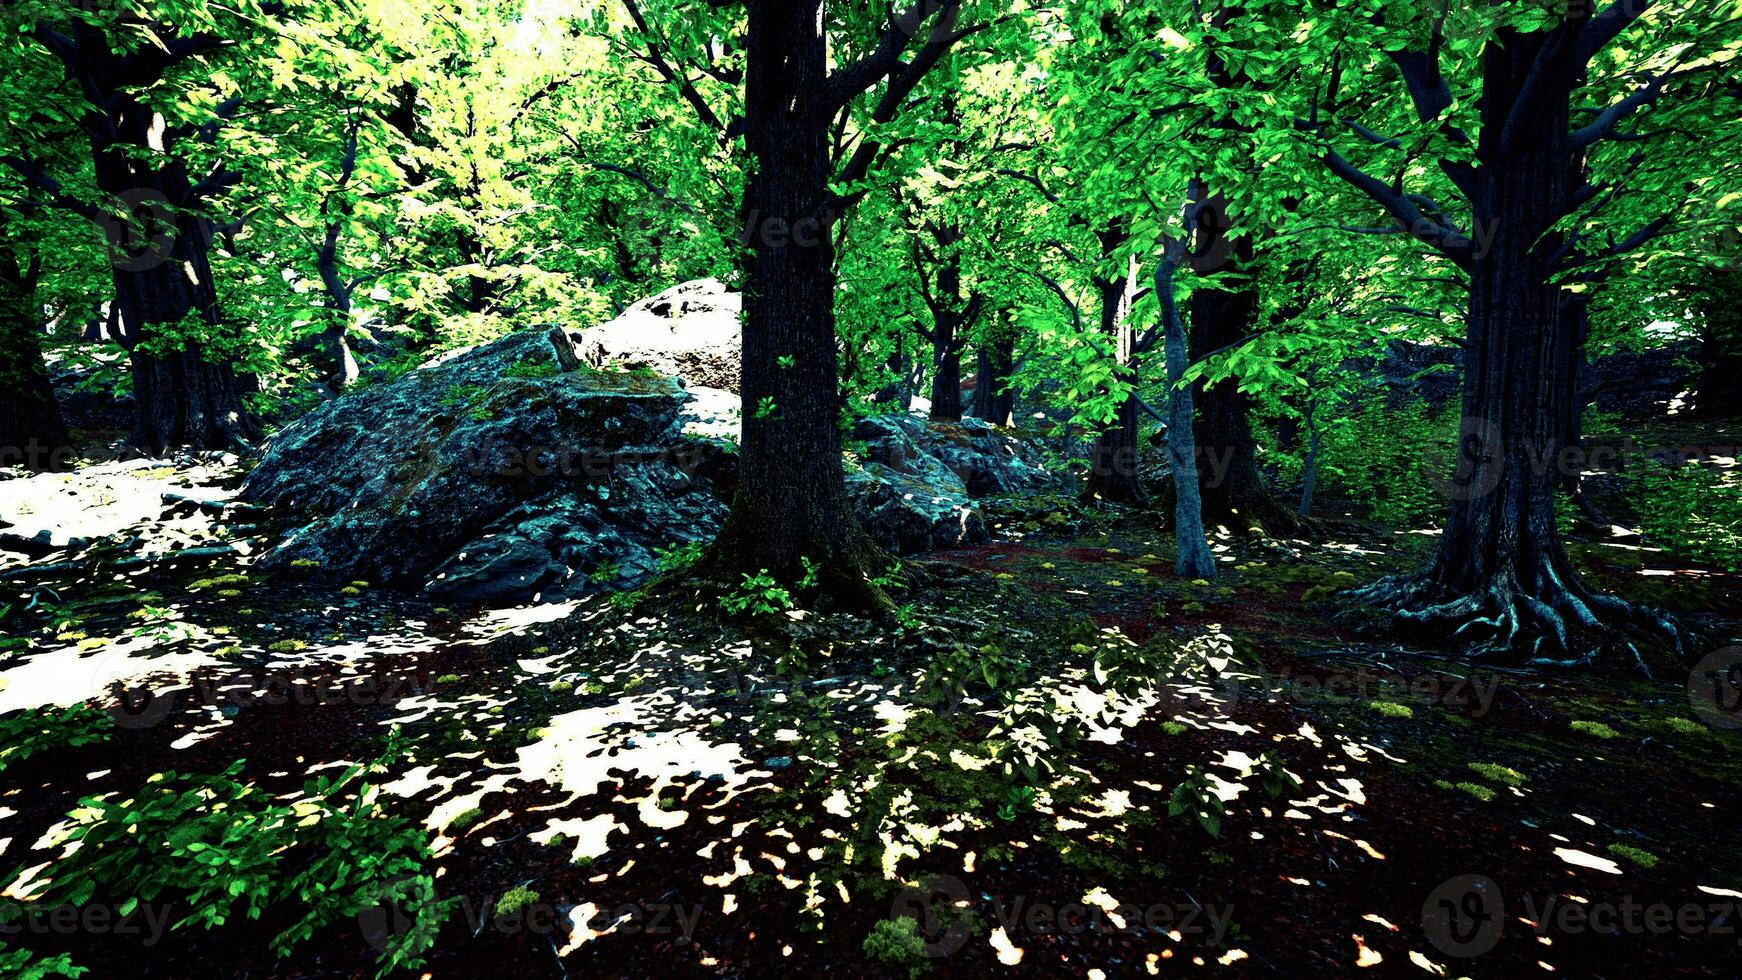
(1235,777)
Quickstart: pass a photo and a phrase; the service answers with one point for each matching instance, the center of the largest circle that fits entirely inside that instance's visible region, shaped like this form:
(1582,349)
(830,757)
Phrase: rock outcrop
(497,474)
(690,331)
(536,467)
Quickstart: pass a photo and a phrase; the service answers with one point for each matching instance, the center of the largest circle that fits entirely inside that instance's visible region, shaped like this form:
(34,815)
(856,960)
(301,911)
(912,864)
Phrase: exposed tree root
(1558,621)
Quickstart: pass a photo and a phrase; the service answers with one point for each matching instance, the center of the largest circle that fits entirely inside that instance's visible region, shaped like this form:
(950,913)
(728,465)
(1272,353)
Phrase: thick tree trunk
(946,384)
(994,402)
(1501,574)
(1234,492)
(182,397)
(32,434)
(791,502)
(161,259)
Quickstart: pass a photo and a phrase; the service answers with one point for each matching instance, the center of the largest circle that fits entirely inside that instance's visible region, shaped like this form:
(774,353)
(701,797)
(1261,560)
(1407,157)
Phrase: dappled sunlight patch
(1583,859)
(1008,952)
(69,675)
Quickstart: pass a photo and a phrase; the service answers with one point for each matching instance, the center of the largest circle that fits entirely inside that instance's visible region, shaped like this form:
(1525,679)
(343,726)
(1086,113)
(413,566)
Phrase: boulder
(916,488)
(988,461)
(496,474)
(908,515)
(690,331)
(517,471)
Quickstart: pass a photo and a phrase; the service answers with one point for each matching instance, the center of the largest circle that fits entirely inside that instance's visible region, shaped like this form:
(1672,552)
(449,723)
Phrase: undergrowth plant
(227,850)
(27,733)
(1692,510)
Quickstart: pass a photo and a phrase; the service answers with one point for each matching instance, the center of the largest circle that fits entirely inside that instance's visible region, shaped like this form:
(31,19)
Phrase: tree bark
(950,320)
(1233,489)
(32,434)
(1193,548)
(161,254)
(791,502)
(1501,574)
(994,402)
(182,397)
(1718,393)
(1113,458)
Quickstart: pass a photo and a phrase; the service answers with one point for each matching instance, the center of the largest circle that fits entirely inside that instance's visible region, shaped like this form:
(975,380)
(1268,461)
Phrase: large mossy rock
(502,473)
(521,471)
(917,486)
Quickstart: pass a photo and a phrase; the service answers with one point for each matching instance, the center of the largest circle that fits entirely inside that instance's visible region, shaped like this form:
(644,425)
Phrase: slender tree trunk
(338,366)
(32,433)
(897,391)
(791,502)
(1718,392)
(1310,471)
(1233,489)
(1113,459)
(949,320)
(1194,557)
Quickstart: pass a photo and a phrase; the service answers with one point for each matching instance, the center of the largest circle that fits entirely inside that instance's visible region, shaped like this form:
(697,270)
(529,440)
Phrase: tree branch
(1410,217)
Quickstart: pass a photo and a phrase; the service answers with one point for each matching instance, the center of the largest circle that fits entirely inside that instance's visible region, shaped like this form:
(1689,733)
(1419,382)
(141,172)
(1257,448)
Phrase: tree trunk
(946,383)
(1309,479)
(1717,394)
(161,260)
(1234,493)
(182,398)
(337,365)
(897,391)
(1194,557)
(1113,459)
(994,402)
(791,502)
(32,434)
(949,321)
(1500,573)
